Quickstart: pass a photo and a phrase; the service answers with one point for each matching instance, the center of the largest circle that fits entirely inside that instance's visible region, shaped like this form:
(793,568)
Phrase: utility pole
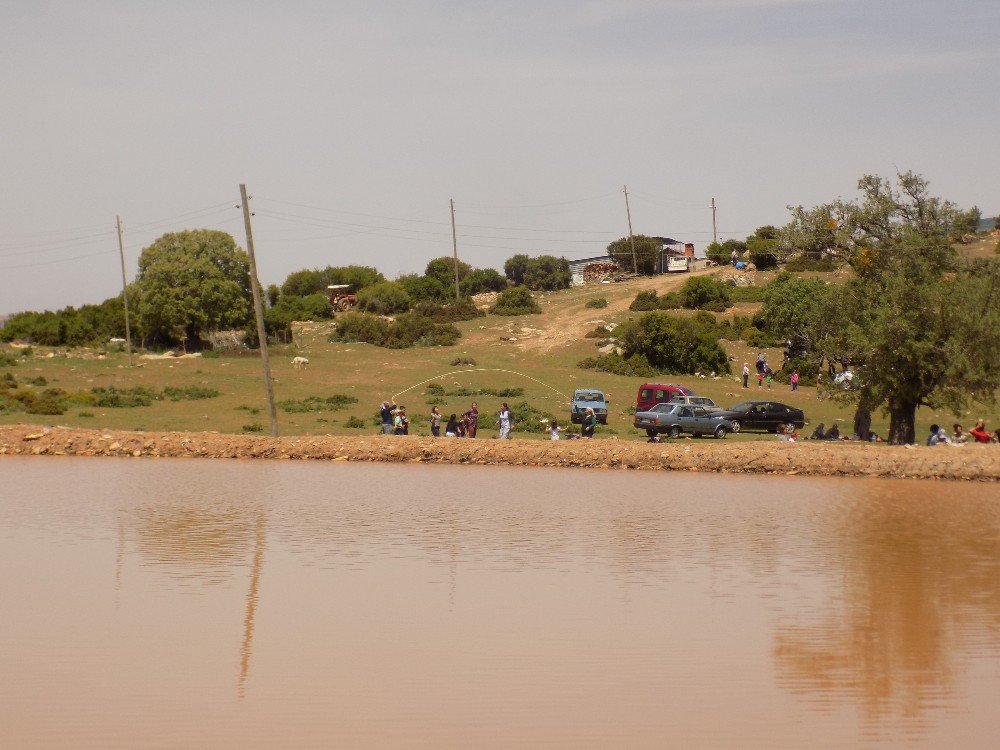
(454,245)
(258,308)
(128,327)
(631,239)
(714,236)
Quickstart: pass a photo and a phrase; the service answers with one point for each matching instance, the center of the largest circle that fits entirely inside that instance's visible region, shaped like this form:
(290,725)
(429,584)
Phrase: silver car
(675,419)
(696,401)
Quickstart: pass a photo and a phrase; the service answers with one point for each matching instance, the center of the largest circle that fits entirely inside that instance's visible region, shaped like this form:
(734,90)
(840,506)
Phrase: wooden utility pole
(714,237)
(454,245)
(258,308)
(631,239)
(128,326)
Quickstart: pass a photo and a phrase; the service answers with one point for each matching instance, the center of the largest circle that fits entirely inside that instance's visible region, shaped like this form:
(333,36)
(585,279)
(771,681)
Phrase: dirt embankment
(972,462)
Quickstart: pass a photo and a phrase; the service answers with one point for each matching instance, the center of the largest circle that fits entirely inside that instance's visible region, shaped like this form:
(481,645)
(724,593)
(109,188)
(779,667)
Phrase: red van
(651,394)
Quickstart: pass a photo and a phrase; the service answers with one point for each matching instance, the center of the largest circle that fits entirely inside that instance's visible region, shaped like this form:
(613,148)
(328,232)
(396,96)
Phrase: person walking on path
(504,421)
(435,421)
(589,423)
(794,379)
(388,413)
(471,418)
(746,374)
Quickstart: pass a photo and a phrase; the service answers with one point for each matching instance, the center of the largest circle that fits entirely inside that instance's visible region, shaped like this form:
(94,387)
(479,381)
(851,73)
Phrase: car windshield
(663,408)
(747,406)
(589,396)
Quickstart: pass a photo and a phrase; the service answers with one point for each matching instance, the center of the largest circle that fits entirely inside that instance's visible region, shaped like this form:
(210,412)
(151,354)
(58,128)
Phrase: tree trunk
(862,422)
(902,416)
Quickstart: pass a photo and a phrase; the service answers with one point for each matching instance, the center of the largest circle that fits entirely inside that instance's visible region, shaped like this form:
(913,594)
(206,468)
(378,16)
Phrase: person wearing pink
(471,419)
(794,379)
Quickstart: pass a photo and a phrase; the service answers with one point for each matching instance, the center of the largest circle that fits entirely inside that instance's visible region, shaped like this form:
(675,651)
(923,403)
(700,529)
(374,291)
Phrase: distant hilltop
(987,223)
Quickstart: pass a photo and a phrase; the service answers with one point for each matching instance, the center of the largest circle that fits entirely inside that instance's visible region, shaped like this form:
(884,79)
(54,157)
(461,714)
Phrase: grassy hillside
(515,352)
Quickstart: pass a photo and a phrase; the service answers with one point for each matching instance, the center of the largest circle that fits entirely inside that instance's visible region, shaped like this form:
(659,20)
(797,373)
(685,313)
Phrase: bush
(529,418)
(598,333)
(384,298)
(255,427)
(462,361)
(451,312)
(354,423)
(811,262)
(597,302)
(763,253)
(482,280)
(745,293)
(435,389)
(733,329)
(647,301)
(7,359)
(704,293)
(316,403)
(405,331)
(674,345)
(501,393)
(85,414)
(758,339)
(40,380)
(189,393)
(423,288)
(313,281)
(443,270)
(289,308)
(7,380)
(515,301)
(126,398)
(636,366)
(721,253)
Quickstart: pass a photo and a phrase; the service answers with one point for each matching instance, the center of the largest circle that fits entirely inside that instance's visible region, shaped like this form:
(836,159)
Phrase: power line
(58,260)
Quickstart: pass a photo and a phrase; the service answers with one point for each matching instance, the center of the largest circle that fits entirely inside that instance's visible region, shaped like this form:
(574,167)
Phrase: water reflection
(916,577)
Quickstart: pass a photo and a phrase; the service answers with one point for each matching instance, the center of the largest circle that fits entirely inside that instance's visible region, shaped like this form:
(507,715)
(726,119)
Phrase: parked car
(704,401)
(584,398)
(764,415)
(651,394)
(675,419)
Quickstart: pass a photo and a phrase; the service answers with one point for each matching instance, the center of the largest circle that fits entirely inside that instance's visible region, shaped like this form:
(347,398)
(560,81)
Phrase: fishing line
(481,369)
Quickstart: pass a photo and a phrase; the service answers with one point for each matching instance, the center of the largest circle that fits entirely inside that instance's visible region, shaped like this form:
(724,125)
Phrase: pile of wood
(599,271)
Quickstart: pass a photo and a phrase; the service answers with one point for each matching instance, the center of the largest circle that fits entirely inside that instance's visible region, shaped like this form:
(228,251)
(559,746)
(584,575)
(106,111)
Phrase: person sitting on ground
(833,433)
(451,429)
(932,438)
(979,433)
(460,428)
(942,437)
(959,437)
(818,433)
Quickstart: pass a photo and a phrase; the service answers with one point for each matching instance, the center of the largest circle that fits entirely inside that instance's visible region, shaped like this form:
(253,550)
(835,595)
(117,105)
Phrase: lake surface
(197,603)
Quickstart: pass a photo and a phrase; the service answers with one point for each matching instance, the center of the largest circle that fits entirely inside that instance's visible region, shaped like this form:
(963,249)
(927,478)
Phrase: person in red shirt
(979,432)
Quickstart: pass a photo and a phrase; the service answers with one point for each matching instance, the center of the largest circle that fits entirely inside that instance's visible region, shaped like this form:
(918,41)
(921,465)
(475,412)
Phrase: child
(555,429)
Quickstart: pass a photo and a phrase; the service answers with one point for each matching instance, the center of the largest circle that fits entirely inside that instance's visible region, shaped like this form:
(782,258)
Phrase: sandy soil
(972,462)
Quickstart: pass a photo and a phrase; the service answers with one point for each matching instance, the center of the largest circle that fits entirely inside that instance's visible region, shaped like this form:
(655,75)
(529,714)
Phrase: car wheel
(675,431)
(736,426)
(782,429)
(720,432)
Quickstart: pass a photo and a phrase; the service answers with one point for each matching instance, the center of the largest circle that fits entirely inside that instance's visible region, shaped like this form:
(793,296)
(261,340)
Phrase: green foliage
(763,253)
(734,328)
(515,267)
(647,253)
(758,339)
(425,288)
(315,281)
(498,393)
(598,333)
(273,293)
(673,345)
(515,301)
(795,309)
(705,293)
(745,293)
(85,414)
(823,263)
(354,423)
(7,359)
(597,303)
(253,410)
(965,223)
(646,301)
(124,398)
(189,393)
(7,380)
(813,232)
(481,280)
(254,427)
(451,312)
(38,380)
(528,418)
(435,389)
(721,252)
(71,326)
(384,298)
(405,331)
(190,282)
(316,403)
(635,366)
(462,361)
(289,308)
(542,273)
(443,271)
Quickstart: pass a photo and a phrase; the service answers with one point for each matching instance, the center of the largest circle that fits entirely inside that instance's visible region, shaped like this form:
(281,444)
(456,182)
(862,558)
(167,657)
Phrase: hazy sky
(353,124)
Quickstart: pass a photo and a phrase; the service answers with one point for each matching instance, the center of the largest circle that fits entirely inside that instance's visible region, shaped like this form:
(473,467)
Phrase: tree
(919,326)
(290,308)
(443,271)
(647,253)
(795,310)
(763,253)
(424,288)
(965,223)
(672,344)
(811,231)
(547,272)
(190,282)
(721,252)
(704,293)
(514,268)
(311,281)
(766,232)
(384,298)
(515,301)
(482,280)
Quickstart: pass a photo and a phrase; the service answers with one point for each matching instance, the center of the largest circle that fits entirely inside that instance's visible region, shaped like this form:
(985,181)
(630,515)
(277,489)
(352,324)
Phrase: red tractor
(341,297)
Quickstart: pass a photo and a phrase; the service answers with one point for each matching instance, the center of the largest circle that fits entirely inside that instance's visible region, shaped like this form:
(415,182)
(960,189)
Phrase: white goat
(299,362)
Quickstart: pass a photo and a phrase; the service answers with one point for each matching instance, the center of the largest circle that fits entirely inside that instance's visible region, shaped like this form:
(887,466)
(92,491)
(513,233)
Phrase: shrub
(451,312)
(317,403)
(597,302)
(435,389)
(515,301)
(7,360)
(289,308)
(733,329)
(811,262)
(745,293)
(598,333)
(529,418)
(39,380)
(764,253)
(704,293)
(384,298)
(443,270)
(758,339)
(27,351)
(674,345)
(482,280)
(313,281)
(423,288)
(462,361)
(354,423)
(721,252)
(644,301)
(45,405)
(126,398)
(255,427)
(189,393)
(405,331)
(7,381)
(636,366)
(85,414)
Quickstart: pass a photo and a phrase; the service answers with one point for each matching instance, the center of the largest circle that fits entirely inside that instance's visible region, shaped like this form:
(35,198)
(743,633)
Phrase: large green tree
(191,282)
(443,270)
(316,280)
(647,253)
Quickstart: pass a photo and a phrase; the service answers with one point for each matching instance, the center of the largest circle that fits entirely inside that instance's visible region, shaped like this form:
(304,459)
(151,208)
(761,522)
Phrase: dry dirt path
(972,462)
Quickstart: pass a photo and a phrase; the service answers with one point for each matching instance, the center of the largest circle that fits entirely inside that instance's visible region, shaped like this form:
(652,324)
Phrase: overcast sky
(354,123)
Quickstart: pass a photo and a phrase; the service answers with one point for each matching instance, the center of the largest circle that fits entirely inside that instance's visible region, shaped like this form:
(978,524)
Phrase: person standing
(733,257)
(768,376)
(388,413)
(761,362)
(451,429)
(400,423)
(979,433)
(435,421)
(589,423)
(504,421)
(554,430)
(471,418)
(795,381)
(746,374)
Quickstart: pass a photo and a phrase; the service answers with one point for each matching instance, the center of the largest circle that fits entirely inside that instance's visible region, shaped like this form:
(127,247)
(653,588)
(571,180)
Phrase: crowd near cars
(674,410)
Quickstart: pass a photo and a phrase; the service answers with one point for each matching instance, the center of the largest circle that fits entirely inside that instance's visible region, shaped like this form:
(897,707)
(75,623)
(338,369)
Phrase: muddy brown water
(175,603)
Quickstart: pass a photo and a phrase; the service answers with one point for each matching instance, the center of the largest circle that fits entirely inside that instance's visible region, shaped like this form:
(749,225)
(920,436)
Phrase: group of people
(395,422)
(765,375)
(978,434)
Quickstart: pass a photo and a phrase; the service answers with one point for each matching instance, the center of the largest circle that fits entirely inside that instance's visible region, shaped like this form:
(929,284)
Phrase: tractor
(341,297)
